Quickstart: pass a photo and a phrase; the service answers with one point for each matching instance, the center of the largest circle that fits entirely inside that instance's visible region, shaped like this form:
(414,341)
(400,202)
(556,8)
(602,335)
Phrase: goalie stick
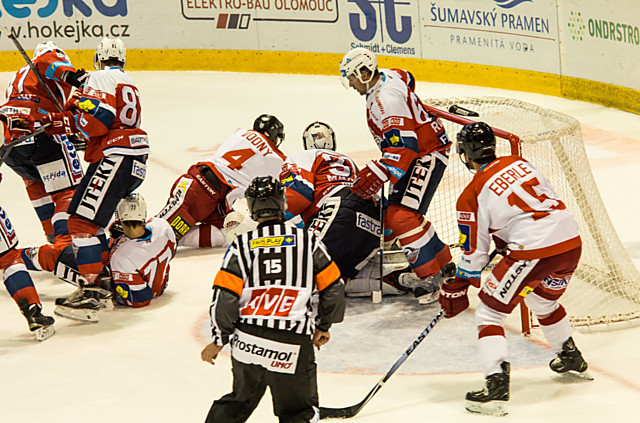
(348,412)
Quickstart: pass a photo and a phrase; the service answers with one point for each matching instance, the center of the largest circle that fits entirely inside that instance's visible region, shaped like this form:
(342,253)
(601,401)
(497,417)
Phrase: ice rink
(144,365)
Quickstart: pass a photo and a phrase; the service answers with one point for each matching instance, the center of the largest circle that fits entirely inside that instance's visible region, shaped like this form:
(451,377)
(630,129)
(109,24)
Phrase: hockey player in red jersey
(201,198)
(415,151)
(15,276)
(511,202)
(107,113)
(48,165)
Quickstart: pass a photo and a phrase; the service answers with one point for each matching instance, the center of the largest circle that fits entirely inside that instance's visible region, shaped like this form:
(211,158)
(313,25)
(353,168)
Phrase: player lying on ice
(201,198)
(136,264)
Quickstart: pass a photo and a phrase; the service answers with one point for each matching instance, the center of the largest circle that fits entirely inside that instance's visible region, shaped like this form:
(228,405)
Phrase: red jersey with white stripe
(110,113)
(25,90)
(244,156)
(312,175)
(140,267)
(399,123)
(512,201)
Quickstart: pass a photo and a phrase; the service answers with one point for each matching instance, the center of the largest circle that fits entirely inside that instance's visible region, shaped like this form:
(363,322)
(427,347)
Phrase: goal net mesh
(605,288)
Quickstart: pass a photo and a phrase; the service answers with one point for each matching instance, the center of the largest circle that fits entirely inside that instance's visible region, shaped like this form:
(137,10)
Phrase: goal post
(605,289)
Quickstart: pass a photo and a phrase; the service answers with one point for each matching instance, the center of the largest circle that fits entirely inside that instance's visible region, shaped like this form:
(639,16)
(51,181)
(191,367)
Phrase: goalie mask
(266,197)
(270,127)
(132,208)
(110,49)
(477,141)
(354,62)
(319,135)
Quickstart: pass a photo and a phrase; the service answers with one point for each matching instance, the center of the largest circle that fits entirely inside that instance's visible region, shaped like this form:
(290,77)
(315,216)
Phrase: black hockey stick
(6,149)
(461,111)
(347,412)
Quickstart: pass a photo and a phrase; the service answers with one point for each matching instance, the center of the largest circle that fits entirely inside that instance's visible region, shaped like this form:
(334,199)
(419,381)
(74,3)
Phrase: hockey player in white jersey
(200,199)
(138,266)
(511,202)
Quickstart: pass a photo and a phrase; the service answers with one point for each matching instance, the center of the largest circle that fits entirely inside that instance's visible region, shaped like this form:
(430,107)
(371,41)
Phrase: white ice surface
(144,365)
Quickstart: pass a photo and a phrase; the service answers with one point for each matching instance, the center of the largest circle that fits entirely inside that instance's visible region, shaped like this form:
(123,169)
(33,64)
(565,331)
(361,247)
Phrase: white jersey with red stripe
(140,267)
(244,156)
(110,113)
(514,202)
(312,175)
(399,123)
(8,236)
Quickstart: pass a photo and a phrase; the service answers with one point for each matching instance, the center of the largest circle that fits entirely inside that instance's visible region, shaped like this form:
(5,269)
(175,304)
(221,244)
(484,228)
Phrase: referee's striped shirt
(272,273)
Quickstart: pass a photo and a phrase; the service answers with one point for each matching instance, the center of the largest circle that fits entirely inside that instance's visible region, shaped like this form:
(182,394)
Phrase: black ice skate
(492,399)
(570,361)
(39,324)
(80,305)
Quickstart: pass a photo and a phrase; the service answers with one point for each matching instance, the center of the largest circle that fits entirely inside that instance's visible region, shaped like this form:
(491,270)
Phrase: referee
(262,306)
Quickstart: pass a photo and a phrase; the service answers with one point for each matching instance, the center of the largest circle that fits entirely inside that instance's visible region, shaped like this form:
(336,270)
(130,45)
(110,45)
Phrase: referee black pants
(295,396)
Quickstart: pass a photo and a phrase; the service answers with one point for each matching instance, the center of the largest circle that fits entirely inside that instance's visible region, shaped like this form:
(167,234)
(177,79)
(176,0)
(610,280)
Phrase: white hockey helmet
(132,208)
(47,46)
(110,49)
(319,135)
(353,62)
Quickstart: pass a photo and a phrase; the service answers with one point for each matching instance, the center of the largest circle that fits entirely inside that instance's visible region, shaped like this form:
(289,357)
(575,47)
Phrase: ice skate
(80,305)
(492,399)
(39,324)
(569,361)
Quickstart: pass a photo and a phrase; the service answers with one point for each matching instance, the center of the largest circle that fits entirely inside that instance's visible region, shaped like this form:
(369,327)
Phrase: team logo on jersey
(466,217)
(556,284)
(88,104)
(464,240)
(368,224)
(391,156)
(180,227)
(273,241)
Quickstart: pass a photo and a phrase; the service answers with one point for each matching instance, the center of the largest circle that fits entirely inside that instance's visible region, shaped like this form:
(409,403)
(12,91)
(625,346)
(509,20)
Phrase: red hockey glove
(61,123)
(453,296)
(370,180)
(17,124)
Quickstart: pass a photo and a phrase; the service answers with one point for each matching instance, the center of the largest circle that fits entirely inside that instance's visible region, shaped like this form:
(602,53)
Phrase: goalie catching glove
(61,123)
(370,180)
(453,295)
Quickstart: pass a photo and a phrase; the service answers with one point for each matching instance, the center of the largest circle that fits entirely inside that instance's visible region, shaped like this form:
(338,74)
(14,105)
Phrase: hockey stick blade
(347,412)
(461,111)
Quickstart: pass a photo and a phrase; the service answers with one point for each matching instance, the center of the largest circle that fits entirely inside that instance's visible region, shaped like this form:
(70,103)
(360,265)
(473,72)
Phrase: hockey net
(605,288)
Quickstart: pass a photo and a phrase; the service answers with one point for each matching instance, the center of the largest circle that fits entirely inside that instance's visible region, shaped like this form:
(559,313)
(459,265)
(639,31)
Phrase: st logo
(365,31)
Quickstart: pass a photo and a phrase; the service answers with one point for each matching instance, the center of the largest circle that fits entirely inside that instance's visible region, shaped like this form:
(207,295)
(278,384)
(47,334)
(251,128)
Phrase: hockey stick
(347,412)
(461,111)
(376,296)
(5,150)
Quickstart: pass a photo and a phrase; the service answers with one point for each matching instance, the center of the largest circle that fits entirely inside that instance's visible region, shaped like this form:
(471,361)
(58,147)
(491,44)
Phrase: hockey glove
(17,125)
(61,123)
(76,78)
(453,296)
(78,143)
(370,180)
